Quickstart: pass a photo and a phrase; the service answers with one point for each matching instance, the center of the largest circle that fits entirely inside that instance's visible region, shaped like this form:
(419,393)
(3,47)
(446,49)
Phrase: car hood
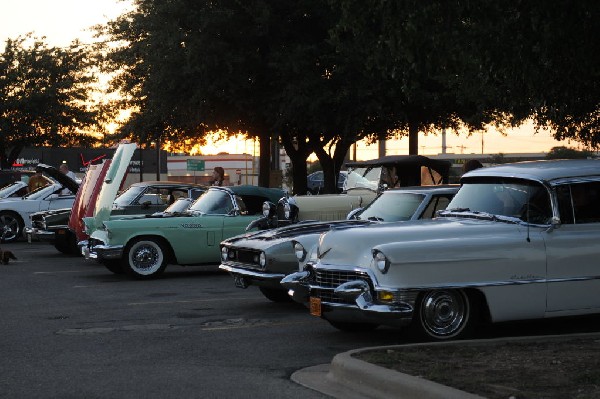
(295,230)
(86,198)
(413,241)
(112,182)
(60,177)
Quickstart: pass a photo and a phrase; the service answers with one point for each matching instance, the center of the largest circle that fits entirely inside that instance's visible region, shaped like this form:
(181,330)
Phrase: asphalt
(347,377)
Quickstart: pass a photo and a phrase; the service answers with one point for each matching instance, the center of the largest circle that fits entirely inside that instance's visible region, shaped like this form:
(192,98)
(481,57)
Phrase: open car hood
(85,201)
(60,177)
(112,182)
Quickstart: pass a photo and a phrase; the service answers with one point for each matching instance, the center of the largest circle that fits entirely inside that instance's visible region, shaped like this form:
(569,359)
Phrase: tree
(43,93)
(567,153)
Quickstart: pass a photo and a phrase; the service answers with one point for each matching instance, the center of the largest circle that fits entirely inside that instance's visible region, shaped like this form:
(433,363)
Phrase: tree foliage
(319,76)
(43,96)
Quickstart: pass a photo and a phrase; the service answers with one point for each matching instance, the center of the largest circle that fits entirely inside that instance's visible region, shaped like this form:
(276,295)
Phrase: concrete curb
(349,378)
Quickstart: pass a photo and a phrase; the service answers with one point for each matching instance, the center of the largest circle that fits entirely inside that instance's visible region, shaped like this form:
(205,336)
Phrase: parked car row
(514,241)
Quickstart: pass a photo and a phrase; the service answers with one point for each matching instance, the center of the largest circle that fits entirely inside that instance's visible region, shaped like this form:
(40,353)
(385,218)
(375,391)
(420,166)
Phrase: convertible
(518,241)
(142,246)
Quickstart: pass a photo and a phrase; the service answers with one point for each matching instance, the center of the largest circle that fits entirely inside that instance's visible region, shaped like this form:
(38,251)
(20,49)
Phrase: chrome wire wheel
(10,226)
(444,314)
(145,258)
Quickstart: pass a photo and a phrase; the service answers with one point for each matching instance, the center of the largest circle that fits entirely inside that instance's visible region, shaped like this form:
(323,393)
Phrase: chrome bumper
(100,252)
(358,305)
(244,277)
(33,233)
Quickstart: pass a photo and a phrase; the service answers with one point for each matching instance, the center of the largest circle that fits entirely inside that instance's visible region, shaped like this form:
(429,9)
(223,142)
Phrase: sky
(62,21)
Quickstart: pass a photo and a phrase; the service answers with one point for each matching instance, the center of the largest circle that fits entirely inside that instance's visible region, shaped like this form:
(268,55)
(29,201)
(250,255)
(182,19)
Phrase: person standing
(64,169)
(218,176)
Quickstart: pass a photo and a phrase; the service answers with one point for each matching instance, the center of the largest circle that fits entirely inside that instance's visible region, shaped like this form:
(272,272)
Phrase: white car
(518,241)
(15,189)
(15,212)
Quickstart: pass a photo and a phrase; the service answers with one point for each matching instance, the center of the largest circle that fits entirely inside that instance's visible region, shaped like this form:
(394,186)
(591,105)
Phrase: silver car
(518,241)
(264,258)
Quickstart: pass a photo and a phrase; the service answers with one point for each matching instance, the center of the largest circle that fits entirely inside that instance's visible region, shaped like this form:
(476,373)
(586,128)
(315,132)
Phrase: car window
(129,195)
(392,207)
(437,203)
(154,196)
(578,203)
(364,177)
(213,202)
(526,200)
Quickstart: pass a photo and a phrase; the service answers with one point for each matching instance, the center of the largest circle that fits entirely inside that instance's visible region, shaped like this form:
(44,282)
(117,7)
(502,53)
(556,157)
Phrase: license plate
(61,231)
(240,282)
(315,306)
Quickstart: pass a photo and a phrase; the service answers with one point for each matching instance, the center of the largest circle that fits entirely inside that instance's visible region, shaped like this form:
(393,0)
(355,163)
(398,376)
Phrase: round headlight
(381,261)
(287,210)
(223,253)
(262,259)
(266,209)
(299,251)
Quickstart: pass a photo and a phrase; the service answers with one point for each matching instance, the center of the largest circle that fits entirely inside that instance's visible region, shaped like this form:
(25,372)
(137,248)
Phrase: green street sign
(195,165)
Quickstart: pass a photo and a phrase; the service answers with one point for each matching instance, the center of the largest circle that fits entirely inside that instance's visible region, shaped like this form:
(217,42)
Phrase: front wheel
(145,258)
(444,314)
(11,226)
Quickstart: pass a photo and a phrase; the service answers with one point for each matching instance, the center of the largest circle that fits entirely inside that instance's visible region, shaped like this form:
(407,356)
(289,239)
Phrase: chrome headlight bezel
(382,263)
(224,253)
(299,251)
(262,260)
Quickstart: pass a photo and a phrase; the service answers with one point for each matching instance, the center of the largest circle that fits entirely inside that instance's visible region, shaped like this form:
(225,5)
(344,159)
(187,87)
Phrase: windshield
(10,189)
(129,195)
(181,205)
(392,207)
(213,202)
(41,192)
(363,178)
(526,200)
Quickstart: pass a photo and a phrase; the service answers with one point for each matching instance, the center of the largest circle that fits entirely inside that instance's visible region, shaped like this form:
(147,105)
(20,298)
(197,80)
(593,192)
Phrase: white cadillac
(518,241)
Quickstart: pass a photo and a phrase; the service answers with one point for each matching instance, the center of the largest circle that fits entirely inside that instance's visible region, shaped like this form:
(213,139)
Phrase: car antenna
(528,198)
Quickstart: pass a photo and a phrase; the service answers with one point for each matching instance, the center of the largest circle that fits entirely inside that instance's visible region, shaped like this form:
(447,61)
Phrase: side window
(154,196)
(586,202)
(579,203)
(436,204)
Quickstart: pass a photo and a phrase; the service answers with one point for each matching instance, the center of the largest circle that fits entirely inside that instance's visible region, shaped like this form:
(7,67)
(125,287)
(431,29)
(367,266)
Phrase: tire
(11,226)
(275,295)
(145,258)
(353,327)
(114,266)
(69,246)
(444,315)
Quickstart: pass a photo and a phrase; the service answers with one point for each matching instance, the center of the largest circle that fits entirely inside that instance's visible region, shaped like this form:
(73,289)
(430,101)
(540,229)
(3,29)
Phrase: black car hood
(306,228)
(60,177)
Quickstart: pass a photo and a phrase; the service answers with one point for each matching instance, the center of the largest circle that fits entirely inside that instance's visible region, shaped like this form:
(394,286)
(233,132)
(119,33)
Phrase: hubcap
(444,313)
(146,257)
(10,227)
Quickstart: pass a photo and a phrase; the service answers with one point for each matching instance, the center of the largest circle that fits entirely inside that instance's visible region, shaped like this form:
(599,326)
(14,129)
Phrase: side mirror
(53,197)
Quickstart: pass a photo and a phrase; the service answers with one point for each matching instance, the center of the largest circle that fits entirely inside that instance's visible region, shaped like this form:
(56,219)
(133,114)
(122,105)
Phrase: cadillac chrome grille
(328,280)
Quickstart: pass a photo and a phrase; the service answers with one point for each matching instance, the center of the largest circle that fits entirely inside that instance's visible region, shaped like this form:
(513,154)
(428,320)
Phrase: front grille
(248,257)
(328,280)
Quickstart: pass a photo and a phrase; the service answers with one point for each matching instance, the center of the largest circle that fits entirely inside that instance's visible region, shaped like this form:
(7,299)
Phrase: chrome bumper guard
(360,305)
(100,251)
(40,235)
(244,277)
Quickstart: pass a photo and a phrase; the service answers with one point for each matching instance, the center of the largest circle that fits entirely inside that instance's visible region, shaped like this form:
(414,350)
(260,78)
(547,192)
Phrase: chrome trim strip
(251,273)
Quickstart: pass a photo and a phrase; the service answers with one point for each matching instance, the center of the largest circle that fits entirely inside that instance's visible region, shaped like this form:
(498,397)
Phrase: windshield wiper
(459,210)
(375,218)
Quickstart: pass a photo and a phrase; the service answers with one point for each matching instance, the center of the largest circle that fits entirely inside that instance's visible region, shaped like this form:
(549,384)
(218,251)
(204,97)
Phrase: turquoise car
(142,246)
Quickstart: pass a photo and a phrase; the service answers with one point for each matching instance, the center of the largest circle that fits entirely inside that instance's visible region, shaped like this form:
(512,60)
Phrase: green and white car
(142,246)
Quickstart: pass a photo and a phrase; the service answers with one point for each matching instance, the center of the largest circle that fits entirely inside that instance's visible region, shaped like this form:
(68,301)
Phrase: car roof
(441,189)
(169,184)
(548,170)
(273,194)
